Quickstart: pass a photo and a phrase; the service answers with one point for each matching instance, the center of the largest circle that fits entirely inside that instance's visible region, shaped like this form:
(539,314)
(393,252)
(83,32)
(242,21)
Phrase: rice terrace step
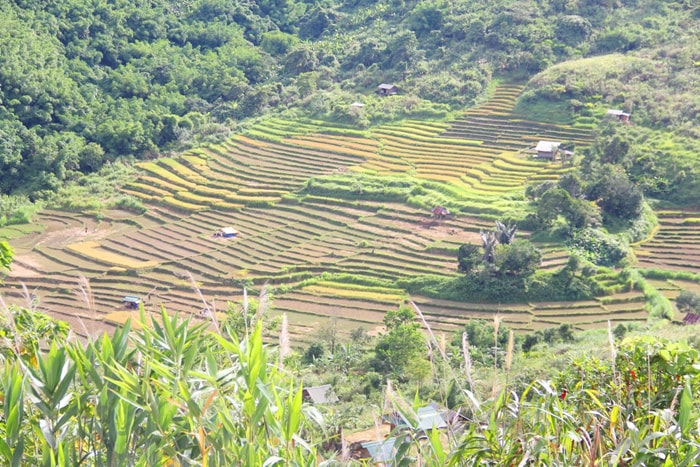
(255,184)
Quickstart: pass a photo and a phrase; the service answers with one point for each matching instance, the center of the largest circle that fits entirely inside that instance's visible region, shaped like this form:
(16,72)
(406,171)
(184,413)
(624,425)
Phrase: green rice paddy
(327,256)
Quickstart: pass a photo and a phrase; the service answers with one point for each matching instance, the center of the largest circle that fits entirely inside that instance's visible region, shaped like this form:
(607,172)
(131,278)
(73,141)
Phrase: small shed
(440,212)
(357,105)
(619,114)
(691,318)
(228,232)
(320,394)
(380,451)
(547,150)
(387,89)
(396,422)
(131,302)
(429,417)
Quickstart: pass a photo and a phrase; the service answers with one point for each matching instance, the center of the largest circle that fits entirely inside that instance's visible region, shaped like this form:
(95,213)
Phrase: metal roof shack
(380,451)
(691,318)
(320,394)
(429,417)
(619,114)
(227,232)
(547,149)
(387,89)
(440,211)
(131,302)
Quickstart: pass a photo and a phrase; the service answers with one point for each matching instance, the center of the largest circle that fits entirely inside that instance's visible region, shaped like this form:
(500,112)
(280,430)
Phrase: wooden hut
(619,114)
(226,232)
(387,89)
(131,302)
(547,150)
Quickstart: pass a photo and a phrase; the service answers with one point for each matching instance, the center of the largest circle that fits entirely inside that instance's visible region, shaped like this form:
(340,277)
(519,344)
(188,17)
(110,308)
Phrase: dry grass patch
(165,174)
(93,251)
(182,170)
(181,205)
(364,292)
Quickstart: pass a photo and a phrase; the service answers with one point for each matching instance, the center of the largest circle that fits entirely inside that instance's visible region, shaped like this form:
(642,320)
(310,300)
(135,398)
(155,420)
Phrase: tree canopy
(82,84)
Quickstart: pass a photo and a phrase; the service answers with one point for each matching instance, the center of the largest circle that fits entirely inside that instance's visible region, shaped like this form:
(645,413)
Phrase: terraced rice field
(676,244)
(169,256)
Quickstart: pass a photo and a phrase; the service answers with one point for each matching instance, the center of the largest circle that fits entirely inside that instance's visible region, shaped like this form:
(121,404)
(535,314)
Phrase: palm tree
(489,243)
(506,232)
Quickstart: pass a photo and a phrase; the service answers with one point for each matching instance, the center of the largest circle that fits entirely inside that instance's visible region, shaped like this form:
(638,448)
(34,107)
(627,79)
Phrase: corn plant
(171,393)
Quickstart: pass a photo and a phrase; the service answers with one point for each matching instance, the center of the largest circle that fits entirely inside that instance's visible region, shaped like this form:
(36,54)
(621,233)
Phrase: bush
(688,302)
(600,248)
(17,209)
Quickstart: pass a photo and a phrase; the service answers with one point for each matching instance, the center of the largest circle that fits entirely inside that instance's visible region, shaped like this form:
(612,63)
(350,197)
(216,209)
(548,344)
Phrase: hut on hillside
(226,232)
(387,89)
(429,417)
(440,212)
(619,114)
(131,302)
(691,318)
(320,394)
(548,150)
(379,452)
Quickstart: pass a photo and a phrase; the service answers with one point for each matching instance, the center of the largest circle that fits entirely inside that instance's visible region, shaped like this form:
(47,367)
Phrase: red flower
(562,396)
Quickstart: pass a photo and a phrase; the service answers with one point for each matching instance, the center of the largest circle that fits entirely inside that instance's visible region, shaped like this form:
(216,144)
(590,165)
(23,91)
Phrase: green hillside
(336,224)
(222,242)
(83,84)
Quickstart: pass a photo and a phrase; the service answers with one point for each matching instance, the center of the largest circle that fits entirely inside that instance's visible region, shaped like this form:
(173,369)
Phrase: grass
(183,171)
(166,175)
(325,289)
(91,250)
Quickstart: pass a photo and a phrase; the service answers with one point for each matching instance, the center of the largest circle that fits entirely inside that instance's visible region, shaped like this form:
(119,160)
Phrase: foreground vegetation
(174,393)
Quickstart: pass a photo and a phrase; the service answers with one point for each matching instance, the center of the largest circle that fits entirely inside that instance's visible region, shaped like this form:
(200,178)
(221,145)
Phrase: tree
(565,200)
(566,332)
(6,255)
(312,353)
(278,43)
(328,333)
(403,342)
(426,17)
(583,213)
(468,257)
(484,346)
(489,243)
(688,302)
(572,183)
(616,194)
(551,204)
(505,232)
(316,22)
(520,258)
(573,29)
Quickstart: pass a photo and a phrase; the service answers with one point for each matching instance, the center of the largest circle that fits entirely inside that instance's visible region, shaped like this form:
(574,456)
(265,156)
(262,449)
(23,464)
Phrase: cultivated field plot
(80,269)
(676,245)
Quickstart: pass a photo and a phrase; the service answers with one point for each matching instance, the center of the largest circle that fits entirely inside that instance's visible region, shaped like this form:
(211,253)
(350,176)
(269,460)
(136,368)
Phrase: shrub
(600,248)
(17,209)
(688,302)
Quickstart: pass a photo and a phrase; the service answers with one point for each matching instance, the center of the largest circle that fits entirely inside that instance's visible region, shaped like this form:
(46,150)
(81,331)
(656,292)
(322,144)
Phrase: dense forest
(83,84)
